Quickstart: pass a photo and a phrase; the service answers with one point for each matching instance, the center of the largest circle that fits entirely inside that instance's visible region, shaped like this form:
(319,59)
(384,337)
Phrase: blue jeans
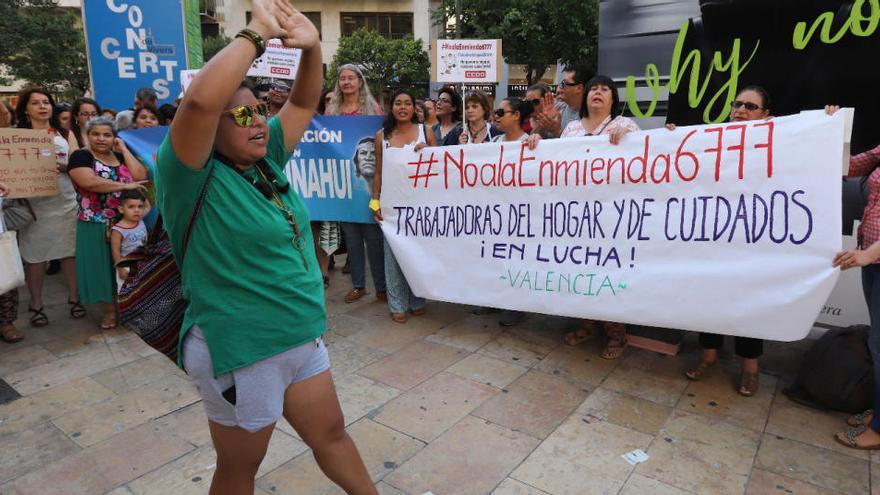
(356,235)
(400,296)
(871,286)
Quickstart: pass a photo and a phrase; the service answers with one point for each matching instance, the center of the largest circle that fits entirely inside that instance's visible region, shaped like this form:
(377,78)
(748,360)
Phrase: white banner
(278,61)
(725,228)
(465,61)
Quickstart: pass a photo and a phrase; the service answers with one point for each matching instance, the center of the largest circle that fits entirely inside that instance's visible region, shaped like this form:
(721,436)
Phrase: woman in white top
(600,116)
(401,129)
(600,113)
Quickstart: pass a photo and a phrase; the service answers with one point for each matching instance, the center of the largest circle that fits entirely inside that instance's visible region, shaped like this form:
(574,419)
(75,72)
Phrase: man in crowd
(553,119)
(278,93)
(146,96)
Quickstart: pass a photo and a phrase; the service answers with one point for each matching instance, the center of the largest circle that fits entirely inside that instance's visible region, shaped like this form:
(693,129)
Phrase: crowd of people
(252,337)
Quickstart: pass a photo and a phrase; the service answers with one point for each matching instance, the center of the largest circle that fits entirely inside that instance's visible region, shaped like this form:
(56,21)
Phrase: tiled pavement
(449,403)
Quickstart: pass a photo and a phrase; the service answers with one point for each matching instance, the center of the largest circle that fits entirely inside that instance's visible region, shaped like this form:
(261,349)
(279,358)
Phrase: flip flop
(10,334)
(849,438)
(697,373)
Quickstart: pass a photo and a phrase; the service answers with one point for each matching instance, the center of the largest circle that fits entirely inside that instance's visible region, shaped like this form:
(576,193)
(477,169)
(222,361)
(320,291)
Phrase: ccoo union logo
(474,74)
(284,71)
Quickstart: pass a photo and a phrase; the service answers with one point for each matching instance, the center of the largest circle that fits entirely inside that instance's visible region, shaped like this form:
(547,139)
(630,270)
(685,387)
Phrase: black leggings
(746,347)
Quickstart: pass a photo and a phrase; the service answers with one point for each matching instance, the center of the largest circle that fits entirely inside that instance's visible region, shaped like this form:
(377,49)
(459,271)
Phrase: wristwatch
(374,205)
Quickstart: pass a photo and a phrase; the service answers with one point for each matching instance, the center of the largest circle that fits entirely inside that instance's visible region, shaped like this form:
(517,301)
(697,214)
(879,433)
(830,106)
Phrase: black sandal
(39,319)
(76,309)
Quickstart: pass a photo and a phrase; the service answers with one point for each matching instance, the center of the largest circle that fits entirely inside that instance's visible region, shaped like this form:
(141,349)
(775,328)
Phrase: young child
(129,233)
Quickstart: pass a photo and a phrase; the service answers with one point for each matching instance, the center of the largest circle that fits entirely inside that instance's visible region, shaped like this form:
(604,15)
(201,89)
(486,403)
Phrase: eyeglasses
(564,84)
(246,115)
(88,115)
(500,112)
(749,105)
(280,87)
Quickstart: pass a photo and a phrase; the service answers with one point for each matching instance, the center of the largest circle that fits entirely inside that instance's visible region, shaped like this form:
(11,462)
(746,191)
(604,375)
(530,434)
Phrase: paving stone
(511,486)
(625,410)
(347,356)
(581,364)
(716,395)
(431,408)
(189,423)
(767,483)
(41,407)
(536,403)
(31,449)
(814,465)
(484,369)
(22,358)
(649,376)
(468,334)
(701,454)
(413,365)
(382,450)
(517,351)
(358,395)
(90,426)
(387,338)
(347,325)
(581,457)
(192,473)
(138,373)
(639,485)
(804,424)
(63,370)
(104,466)
(471,458)
(386,489)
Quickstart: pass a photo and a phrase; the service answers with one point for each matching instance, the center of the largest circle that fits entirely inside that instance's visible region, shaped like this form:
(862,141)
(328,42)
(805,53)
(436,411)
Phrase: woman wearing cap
(251,338)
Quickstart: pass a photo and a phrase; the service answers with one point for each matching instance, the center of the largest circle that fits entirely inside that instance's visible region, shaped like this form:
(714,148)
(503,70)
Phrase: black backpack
(837,372)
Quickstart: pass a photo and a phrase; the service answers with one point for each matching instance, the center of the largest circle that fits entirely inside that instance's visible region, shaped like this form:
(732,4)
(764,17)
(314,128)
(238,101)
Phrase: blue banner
(134,44)
(333,167)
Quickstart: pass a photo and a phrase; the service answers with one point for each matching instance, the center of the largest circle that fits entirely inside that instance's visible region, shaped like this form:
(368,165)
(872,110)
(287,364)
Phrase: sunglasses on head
(749,105)
(280,87)
(246,115)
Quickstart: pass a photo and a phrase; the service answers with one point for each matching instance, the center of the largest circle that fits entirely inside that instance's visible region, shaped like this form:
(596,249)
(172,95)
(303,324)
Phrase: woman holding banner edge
(864,431)
(251,336)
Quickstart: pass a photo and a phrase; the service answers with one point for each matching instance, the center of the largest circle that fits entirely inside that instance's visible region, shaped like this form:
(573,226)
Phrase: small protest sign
(27,163)
(278,61)
(465,61)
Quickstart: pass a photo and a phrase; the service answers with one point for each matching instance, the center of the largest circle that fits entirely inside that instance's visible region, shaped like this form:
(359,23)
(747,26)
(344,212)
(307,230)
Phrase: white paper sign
(277,61)
(726,228)
(187,77)
(466,61)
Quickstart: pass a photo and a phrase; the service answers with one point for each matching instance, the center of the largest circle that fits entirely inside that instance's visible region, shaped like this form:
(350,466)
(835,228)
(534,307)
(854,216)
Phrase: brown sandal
(849,438)
(614,349)
(398,317)
(697,373)
(748,384)
(583,333)
(10,334)
(108,322)
(862,418)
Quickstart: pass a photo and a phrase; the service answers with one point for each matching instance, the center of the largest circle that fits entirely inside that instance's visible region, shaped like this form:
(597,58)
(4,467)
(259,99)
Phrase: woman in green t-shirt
(251,337)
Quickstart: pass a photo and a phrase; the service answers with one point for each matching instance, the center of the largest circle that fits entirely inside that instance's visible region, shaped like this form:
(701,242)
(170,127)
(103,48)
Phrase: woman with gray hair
(100,173)
(351,96)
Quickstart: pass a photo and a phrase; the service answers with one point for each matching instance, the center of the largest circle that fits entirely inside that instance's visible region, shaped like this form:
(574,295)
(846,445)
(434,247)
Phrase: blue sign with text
(134,44)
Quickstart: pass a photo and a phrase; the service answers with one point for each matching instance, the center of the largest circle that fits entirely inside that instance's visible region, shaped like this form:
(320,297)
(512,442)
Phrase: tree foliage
(385,63)
(535,33)
(43,45)
(213,44)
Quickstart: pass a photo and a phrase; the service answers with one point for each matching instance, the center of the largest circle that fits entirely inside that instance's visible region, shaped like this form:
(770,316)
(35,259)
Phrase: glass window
(389,25)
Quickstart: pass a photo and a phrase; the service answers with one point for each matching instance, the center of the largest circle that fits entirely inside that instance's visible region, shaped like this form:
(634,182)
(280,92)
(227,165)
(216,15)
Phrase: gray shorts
(259,387)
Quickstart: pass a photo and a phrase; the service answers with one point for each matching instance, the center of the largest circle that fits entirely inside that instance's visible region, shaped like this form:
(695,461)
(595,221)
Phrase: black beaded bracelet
(255,38)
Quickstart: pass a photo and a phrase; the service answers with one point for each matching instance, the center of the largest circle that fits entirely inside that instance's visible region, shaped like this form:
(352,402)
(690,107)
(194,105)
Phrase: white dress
(53,235)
